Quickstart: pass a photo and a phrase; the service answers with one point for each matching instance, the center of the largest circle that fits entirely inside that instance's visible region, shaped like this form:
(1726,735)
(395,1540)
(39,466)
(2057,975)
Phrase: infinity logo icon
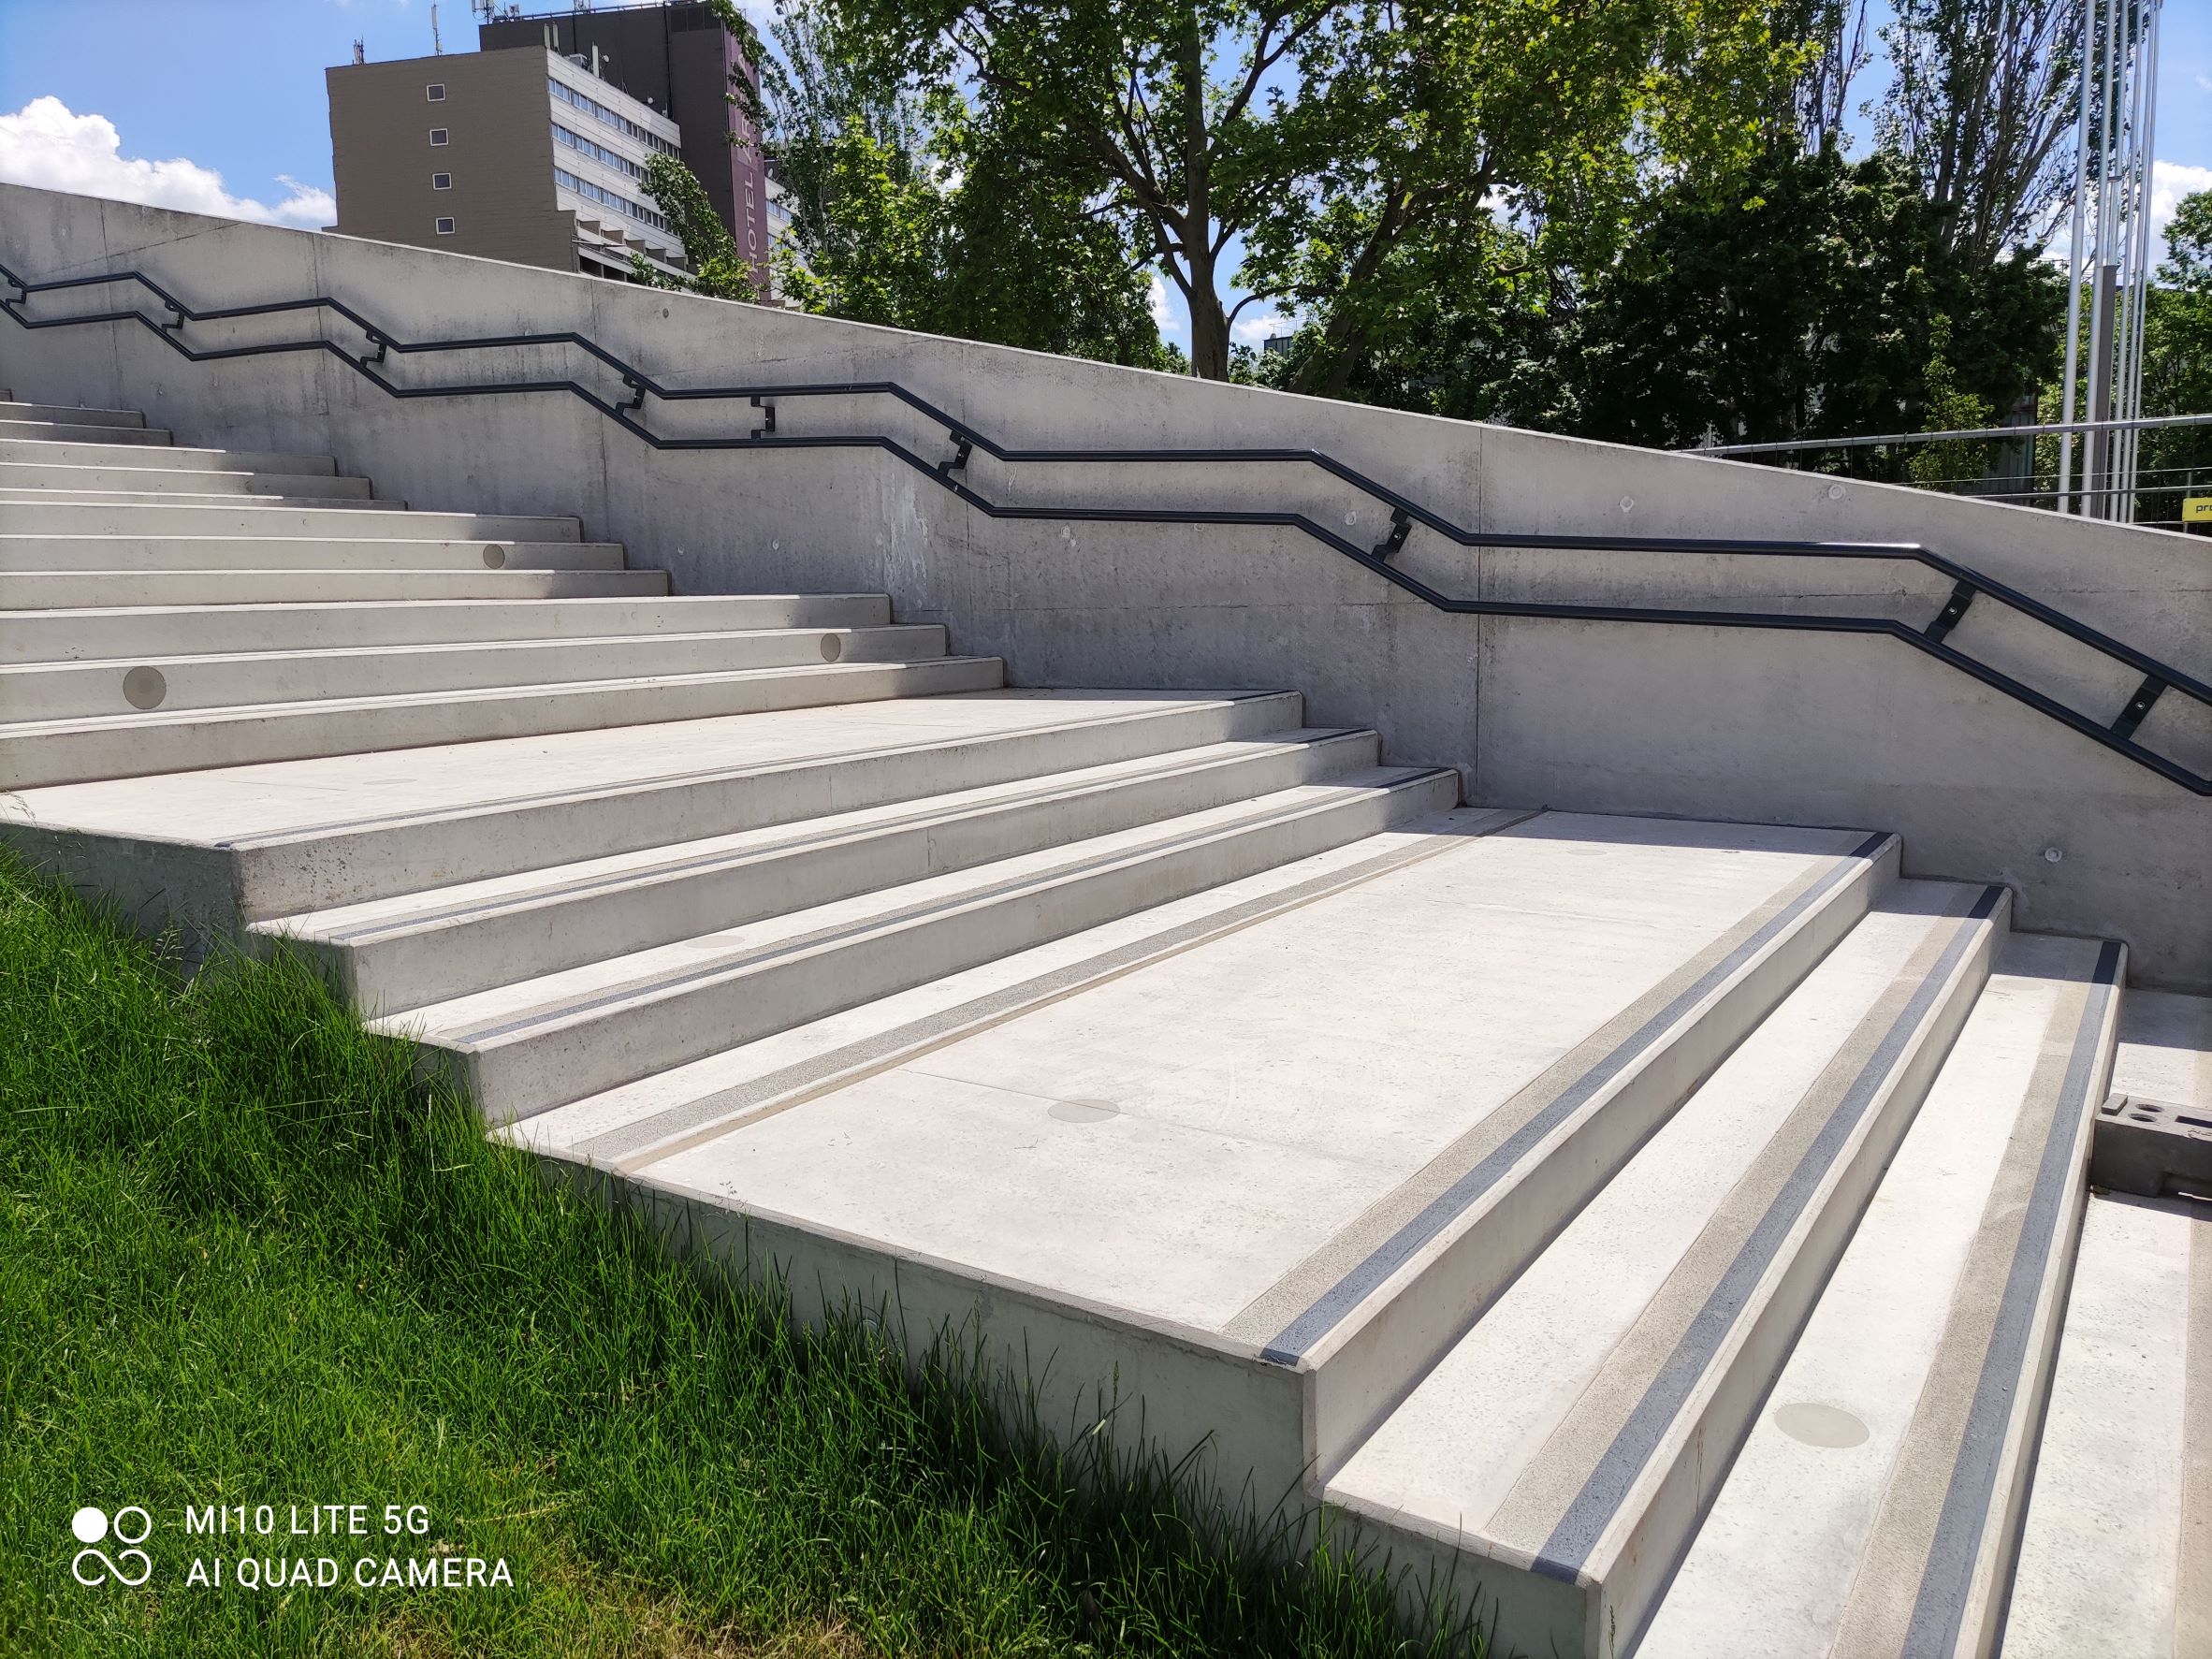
(91,1525)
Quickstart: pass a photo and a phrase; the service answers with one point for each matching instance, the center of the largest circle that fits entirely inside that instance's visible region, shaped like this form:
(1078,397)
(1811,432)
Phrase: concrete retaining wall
(1708,722)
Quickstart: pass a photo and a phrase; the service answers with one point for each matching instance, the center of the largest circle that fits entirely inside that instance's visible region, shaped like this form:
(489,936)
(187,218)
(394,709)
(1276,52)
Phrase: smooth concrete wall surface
(1711,721)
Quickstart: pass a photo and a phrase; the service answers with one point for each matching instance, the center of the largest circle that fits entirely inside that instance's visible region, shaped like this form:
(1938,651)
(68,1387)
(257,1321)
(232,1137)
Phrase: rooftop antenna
(485,10)
(361,48)
(437,45)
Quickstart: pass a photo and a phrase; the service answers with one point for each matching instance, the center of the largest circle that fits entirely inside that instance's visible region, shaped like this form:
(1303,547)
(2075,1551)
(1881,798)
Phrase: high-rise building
(535,148)
(678,59)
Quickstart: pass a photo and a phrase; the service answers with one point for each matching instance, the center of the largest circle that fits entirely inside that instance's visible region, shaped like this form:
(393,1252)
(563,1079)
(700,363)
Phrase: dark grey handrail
(2116,734)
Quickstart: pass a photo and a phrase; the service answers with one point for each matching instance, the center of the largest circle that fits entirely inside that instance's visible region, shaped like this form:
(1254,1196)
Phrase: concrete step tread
(538,1042)
(1872,1509)
(445,941)
(431,908)
(136,590)
(1574,1454)
(38,513)
(123,631)
(57,452)
(93,688)
(13,409)
(67,431)
(271,711)
(120,478)
(59,554)
(494,648)
(2117,1553)
(75,493)
(2165,1051)
(545,1000)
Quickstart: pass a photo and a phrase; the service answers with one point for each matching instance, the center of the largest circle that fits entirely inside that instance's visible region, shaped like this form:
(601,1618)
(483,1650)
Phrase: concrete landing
(2116,1559)
(1416,1054)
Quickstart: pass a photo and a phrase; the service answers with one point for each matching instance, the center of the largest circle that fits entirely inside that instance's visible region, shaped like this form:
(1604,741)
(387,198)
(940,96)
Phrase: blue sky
(218,105)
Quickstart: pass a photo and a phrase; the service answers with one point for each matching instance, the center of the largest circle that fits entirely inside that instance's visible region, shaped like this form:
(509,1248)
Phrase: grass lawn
(243,1262)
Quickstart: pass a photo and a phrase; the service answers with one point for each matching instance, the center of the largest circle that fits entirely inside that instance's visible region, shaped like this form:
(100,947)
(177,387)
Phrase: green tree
(2178,361)
(1334,139)
(907,212)
(710,249)
(1805,296)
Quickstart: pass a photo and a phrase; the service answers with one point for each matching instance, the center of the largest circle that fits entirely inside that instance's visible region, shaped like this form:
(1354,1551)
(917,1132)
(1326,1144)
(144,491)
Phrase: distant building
(534,149)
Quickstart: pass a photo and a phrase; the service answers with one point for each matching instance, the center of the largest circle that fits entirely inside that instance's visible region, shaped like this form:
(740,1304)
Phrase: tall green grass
(244,1259)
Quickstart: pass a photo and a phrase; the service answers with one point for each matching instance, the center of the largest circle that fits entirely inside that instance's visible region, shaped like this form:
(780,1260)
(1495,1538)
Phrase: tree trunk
(1209,323)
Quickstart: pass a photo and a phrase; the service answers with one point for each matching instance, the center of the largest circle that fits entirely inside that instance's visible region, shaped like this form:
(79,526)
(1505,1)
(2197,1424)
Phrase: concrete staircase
(1663,1229)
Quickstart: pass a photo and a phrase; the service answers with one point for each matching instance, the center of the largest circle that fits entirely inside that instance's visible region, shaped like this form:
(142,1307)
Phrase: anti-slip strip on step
(1009,796)
(659,984)
(1326,1293)
(2039,1169)
(1575,1535)
(637,1147)
(709,774)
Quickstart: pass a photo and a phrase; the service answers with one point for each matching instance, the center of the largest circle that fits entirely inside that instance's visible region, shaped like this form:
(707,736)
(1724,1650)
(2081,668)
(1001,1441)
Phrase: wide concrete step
(185,553)
(41,753)
(544,1042)
(310,834)
(2117,1555)
(1571,1441)
(69,415)
(40,515)
(139,482)
(58,431)
(77,590)
(69,690)
(25,449)
(1254,1156)
(399,953)
(135,631)
(307,500)
(1874,1509)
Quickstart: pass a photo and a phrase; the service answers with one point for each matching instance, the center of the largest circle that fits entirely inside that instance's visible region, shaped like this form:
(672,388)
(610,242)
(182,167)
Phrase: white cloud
(49,145)
(1164,310)
(2170,181)
(1256,325)
(2204,81)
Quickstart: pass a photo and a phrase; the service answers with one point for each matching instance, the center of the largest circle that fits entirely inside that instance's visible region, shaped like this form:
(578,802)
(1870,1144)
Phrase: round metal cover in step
(144,688)
(495,556)
(831,647)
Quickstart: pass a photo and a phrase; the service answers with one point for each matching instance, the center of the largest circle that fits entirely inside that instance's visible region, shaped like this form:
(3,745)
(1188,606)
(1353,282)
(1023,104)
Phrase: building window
(435,92)
(437,138)
(440,180)
(445,228)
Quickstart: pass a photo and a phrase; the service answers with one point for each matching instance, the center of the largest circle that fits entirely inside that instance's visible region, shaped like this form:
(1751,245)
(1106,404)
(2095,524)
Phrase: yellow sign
(2196,509)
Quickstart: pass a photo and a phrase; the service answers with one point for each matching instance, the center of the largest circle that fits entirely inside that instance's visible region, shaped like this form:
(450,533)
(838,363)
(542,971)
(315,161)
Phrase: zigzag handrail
(2116,734)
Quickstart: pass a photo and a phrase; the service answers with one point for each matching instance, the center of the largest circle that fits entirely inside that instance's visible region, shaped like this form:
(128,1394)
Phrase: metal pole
(2146,151)
(2097,451)
(2081,171)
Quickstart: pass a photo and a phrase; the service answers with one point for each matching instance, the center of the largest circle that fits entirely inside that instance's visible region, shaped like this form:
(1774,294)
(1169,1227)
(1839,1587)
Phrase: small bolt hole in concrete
(144,688)
(1820,1426)
(831,647)
(1083,1110)
(495,556)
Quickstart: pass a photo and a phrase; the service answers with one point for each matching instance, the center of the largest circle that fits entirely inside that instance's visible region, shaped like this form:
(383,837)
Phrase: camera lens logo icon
(92,1565)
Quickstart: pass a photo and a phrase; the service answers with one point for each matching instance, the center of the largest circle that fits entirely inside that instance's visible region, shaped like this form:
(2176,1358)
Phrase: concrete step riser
(1362,1366)
(76,481)
(134,453)
(521,1076)
(479,950)
(348,865)
(134,749)
(77,690)
(41,514)
(136,634)
(65,431)
(84,589)
(305,501)
(68,414)
(195,553)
